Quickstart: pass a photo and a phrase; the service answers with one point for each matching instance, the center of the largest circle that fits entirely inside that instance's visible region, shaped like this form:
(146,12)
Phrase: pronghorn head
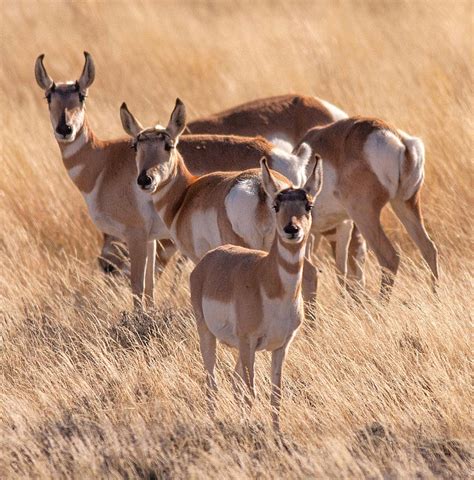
(66,101)
(156,146)
(293,205)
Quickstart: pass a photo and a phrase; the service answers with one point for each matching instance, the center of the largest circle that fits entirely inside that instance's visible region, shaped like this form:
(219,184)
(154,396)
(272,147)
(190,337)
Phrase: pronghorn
(205,212)
(367,164)
(251,300)
(104,172)
(283,120)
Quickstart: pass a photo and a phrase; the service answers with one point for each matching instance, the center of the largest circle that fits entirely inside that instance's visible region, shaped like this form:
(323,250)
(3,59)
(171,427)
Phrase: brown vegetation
(88,391)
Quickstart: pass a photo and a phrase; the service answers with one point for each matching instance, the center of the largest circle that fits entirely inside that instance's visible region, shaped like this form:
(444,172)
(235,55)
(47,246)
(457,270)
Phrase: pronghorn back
(285,117)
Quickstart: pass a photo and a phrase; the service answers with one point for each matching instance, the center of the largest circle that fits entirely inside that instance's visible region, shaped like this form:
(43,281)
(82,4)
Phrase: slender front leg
(278,357)
(137,246)
(247,358)
(207,343)
(343,237)
(150,274)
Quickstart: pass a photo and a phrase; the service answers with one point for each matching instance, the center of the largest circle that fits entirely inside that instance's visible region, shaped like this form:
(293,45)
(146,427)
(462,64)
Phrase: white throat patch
(72,148)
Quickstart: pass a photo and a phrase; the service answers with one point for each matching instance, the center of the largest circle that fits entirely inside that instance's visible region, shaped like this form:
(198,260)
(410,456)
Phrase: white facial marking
(337,113)
(384,152)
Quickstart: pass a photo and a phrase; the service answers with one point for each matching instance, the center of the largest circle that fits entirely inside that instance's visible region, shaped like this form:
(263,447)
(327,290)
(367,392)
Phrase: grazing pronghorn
(202,213)
(251,300)
(367,164)
(283,118)
(105,172)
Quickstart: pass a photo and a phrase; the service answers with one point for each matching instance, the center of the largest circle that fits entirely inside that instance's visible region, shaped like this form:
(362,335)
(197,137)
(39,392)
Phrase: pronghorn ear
(177,121)
(88,72)
(42,78)
(315,181)
(270,185)
(129,123)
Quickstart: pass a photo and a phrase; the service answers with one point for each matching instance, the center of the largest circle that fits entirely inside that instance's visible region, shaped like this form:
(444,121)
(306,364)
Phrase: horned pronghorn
(105,172)
(283,120)
(367,164)
(251,300)
(205,212)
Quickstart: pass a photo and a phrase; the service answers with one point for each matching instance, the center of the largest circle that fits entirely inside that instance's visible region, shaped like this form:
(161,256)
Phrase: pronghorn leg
(357,251)
(207,343)
(150,274)
(310,281)
(409,213)
(278,357)
(137,247)
(247,357)
(368,222)
(343,237)
(238,380)
(165,252)
(111,255)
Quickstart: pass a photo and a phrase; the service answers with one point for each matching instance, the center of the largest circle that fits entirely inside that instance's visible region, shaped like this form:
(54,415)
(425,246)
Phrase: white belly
(220,319)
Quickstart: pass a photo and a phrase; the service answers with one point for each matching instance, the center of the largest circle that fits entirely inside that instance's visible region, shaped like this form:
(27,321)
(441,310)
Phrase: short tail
(412,169)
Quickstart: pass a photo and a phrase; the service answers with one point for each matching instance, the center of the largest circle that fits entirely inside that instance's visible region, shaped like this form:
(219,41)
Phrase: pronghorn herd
(240,193)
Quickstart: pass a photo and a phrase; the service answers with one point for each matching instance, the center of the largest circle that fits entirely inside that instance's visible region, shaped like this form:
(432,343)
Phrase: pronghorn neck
(85,140)
(285,262)
(84,158)
(169,196)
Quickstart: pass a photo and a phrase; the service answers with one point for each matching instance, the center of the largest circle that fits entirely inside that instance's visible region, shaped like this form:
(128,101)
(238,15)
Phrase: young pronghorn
(367,164)
(104,172)
(251,300)
(202,213)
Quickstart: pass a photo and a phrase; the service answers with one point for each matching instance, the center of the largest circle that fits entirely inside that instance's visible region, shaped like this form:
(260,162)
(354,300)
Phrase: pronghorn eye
(133,146)
(82,97)
(276,207)
(168,147)
(309,206)
(48,98)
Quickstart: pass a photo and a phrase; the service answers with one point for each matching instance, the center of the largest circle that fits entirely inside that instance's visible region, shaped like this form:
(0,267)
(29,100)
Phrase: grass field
(88,391)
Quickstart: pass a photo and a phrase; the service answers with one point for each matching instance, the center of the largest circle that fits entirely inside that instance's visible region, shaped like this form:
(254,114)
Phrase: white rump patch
(385,152)
(241,208)
(281,140)
(282,144)
(337,113)
(411,182)
(292,166)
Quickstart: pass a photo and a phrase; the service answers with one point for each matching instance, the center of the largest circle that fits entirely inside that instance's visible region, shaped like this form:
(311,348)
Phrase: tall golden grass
(369,391)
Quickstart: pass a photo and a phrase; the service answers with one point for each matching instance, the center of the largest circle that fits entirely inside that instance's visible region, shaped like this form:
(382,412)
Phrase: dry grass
(375,392)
